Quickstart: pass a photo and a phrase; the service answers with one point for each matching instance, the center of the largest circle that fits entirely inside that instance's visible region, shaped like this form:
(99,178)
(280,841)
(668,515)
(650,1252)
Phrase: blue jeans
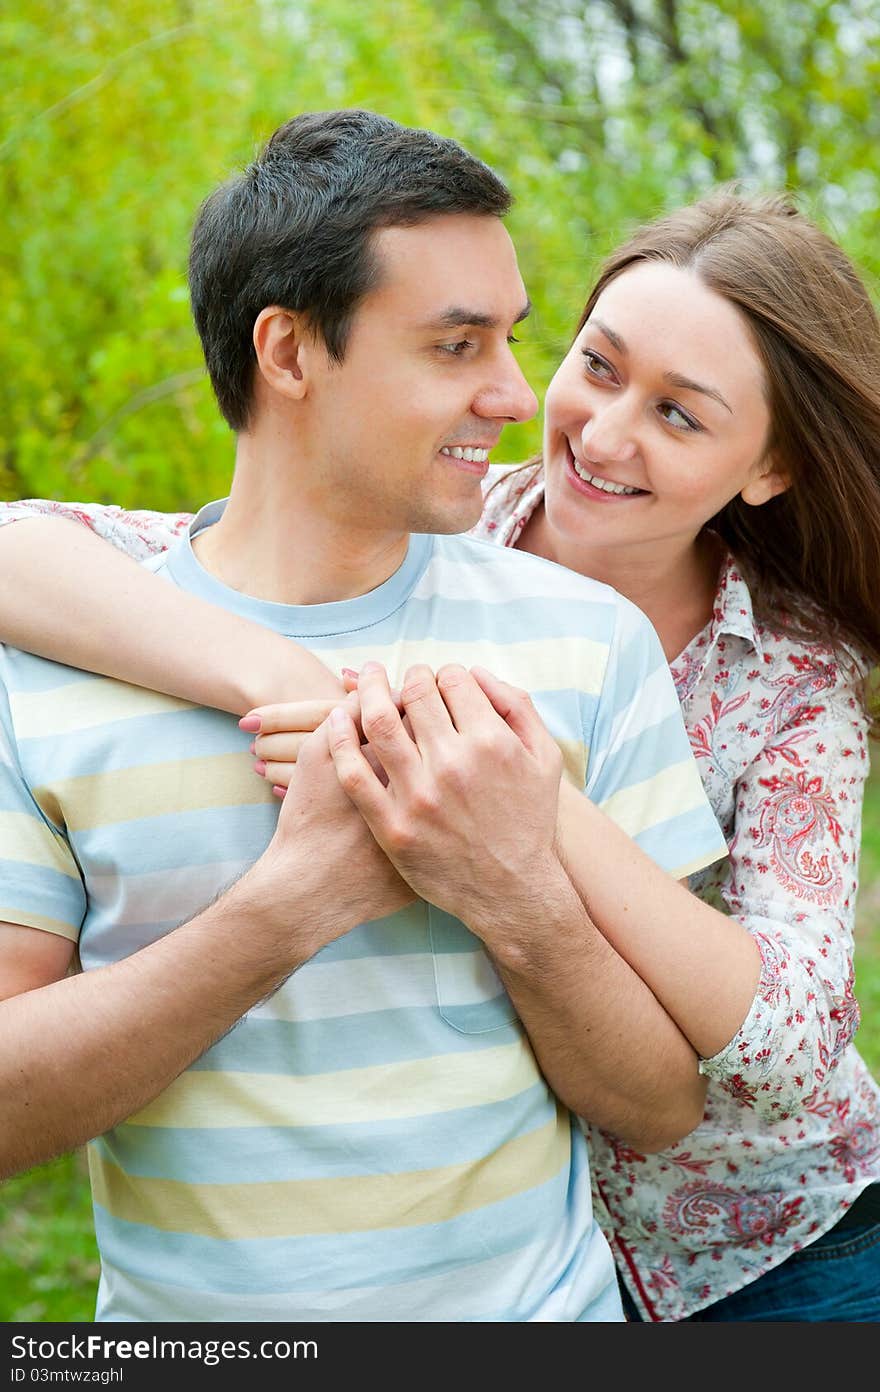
(835,1279)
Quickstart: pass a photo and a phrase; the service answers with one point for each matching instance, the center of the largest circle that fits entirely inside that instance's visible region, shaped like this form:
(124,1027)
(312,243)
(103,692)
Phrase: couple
(440,995)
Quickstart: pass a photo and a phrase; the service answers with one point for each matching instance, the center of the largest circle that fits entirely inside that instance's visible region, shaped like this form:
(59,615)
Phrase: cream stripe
(382,1092)
(549,664)
(24,918)
(575,759)
(83,705)
(28,841)
(670,792)
(156,790)
(343,1204)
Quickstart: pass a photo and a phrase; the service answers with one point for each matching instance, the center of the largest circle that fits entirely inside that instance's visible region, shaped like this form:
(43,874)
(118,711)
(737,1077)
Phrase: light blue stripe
(269,1154)
(22,672)
(133,742)
(500,620)
(178,839)
(678,841)
(41,891)
(342,1042)
(645,754)
(341,1261)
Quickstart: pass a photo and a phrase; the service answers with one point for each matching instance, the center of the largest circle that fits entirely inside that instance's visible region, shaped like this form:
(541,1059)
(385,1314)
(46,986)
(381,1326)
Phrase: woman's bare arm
(70,596)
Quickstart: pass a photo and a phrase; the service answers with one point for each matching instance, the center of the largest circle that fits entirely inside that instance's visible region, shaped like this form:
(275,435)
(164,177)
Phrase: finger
(349,679)
(288,715)
(276,773)
(425,711)
(516,710)
(355,775)
(383,728)
(464,698)
(280,749)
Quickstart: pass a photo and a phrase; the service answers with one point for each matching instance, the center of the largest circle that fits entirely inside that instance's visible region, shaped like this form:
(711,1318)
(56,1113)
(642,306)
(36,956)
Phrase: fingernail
(349,672)
(279,791)
(260,767)
(337,718)
(252,748)
(371,667)
(251,723)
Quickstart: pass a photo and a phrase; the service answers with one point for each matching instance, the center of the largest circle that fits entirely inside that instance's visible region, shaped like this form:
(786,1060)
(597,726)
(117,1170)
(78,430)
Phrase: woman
(711,451)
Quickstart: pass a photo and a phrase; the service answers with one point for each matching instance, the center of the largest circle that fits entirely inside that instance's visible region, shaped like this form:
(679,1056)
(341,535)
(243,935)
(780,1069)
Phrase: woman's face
(656,417)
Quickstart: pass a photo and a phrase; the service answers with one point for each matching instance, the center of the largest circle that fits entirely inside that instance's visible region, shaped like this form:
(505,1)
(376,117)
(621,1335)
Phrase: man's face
(428,370)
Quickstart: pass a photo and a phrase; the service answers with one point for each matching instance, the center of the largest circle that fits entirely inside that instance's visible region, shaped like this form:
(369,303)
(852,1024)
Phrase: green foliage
(48,1257)
(120,118)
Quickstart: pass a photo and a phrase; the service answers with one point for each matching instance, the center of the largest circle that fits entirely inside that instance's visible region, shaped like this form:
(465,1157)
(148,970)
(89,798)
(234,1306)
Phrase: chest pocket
(470,993)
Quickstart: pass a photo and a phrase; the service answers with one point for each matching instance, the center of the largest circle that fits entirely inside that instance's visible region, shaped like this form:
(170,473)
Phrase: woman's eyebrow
(675,379)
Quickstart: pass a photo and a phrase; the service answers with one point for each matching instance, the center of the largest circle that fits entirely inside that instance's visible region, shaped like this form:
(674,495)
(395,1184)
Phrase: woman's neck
(673,584)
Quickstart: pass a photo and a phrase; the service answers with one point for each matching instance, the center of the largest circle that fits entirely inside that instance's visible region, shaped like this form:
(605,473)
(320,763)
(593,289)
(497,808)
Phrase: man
(342,1089)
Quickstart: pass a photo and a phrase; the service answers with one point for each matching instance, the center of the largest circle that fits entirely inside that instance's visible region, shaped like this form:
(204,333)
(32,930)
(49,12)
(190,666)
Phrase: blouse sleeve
(792,879)
(140,534)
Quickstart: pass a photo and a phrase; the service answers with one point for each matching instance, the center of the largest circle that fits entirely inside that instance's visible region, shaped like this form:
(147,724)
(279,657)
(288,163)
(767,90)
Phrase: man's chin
(451,520)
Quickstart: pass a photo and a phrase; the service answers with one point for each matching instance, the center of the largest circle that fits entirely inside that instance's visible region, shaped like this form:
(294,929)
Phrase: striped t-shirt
(376,1141)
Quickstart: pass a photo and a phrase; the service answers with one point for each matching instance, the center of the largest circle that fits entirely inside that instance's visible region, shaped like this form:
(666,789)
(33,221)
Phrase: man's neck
(276,542)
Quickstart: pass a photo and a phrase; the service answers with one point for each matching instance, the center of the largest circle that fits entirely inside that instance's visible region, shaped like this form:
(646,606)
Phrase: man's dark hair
(295,229)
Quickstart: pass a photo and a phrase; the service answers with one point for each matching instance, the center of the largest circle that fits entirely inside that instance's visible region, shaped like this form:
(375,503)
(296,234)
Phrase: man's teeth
(605,484)
(478,456)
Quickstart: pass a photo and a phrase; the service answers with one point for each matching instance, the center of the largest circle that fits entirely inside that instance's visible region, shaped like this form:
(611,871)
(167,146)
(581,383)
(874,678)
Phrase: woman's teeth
(476,456)
(606,485)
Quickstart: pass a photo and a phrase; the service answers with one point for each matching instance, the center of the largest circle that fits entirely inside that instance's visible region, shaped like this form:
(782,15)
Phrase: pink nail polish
(349,672)
(279,791)
(250,723)
(252,748)
(260,767)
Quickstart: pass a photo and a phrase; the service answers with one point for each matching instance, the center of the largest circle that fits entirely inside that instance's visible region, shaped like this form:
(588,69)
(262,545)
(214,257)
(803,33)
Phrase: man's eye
(512,338)
(455,350)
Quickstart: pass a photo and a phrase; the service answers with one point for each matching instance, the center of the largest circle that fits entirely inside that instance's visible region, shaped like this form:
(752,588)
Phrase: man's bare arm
(80,1053)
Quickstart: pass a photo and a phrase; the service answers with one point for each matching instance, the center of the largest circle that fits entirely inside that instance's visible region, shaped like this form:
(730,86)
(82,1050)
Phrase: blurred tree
(116,120)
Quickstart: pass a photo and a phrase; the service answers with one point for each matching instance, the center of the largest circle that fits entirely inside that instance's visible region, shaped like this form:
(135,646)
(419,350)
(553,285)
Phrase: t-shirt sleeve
(140,534)
(640,770)
(40,884)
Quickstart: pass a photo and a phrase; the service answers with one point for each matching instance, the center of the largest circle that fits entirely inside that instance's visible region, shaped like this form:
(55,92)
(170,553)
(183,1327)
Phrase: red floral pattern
(791,1131)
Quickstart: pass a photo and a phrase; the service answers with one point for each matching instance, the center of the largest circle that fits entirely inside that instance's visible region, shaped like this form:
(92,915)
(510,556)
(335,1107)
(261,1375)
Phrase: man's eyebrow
(675,379)
(458,316)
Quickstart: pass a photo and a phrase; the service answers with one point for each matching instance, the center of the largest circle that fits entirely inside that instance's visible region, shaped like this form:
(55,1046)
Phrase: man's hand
(468,815)
(321,839)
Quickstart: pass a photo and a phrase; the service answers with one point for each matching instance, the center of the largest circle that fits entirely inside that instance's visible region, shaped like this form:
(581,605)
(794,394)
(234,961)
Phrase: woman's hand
(281,730)
(280,733)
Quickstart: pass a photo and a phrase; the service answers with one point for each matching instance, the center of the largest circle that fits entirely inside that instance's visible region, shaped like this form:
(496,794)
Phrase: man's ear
(283,348)
(768,480)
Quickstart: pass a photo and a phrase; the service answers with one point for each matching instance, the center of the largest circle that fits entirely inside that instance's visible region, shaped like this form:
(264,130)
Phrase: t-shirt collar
(296,620)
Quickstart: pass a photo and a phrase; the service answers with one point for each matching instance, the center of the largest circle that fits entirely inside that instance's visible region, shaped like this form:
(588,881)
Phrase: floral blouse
(791,1131)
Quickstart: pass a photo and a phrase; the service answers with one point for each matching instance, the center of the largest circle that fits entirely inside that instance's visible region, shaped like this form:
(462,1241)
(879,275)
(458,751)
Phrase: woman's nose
(608,436)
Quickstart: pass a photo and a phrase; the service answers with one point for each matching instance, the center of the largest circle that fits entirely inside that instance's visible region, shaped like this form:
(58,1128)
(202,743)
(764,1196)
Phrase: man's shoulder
(522,570)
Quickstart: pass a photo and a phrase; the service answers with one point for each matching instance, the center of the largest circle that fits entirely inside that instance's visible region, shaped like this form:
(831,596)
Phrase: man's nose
(508,397)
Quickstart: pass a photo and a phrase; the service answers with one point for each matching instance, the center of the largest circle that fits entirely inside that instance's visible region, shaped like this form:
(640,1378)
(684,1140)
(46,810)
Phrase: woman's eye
(676,417)
(596,366)
(455,350)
